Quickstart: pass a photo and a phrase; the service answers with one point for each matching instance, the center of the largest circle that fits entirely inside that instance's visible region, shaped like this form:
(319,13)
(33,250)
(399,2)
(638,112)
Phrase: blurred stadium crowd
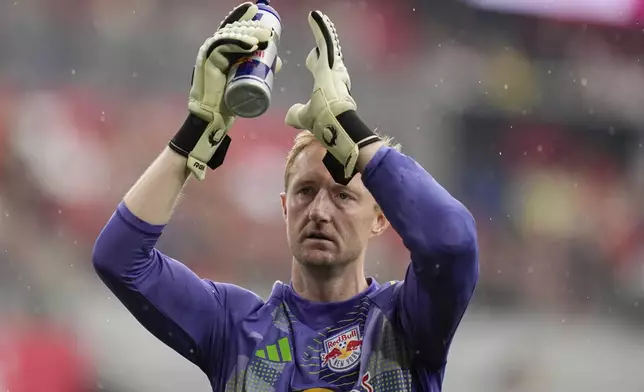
(535,124)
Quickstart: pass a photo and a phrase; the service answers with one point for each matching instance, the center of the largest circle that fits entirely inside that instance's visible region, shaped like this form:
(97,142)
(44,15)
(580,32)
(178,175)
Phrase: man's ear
(283,200)
(380,224)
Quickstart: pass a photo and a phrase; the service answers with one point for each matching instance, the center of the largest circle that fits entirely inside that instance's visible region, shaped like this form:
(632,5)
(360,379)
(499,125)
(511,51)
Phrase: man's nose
(321,207)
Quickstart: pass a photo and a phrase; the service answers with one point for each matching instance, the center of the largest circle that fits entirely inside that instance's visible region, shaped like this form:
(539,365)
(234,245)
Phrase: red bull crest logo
(342,351)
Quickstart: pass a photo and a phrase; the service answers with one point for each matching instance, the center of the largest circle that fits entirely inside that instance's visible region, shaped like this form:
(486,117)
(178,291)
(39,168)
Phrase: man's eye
(344,196)
(305,191)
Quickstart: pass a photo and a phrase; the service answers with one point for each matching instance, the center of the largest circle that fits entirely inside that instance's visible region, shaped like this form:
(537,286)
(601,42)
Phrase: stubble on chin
(319,259)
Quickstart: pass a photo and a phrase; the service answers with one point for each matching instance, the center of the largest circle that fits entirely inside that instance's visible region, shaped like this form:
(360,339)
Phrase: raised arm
(185,312)
(437,229)
(440,234)
(153,197)
(189,314)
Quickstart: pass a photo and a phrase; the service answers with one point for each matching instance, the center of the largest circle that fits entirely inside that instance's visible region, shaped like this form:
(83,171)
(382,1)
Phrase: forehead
(308,166)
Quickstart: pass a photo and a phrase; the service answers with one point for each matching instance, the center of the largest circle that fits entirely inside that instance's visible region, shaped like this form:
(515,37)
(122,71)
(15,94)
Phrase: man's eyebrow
(303,181)
(346,188)
(342,187)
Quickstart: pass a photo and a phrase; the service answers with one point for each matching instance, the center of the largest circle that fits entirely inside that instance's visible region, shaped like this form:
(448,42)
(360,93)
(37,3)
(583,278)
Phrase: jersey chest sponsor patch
(342,351)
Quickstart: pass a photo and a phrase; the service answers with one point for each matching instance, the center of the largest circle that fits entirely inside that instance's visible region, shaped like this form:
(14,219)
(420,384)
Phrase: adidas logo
(273,352)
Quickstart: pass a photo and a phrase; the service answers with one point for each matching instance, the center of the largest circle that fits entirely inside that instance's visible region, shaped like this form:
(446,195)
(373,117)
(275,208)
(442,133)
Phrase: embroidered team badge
(342,351)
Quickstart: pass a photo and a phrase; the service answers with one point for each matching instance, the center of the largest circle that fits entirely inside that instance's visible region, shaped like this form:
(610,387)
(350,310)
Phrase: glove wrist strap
(357,130)
(188,135)
(360,133)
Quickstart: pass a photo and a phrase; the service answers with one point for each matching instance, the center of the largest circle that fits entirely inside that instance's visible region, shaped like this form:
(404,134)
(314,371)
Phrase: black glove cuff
(356,128)
(360,133)
(188,135)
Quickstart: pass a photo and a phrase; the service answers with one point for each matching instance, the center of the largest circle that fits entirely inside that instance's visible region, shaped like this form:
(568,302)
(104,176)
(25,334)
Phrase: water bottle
(250,80)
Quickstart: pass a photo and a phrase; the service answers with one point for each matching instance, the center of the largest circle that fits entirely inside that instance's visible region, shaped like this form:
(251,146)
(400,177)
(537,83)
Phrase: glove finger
(205,50)
(344,76)
(244,11)
(230,50)
(242,45)
(295,115)
(198,72)
(235,41)
(241,37)
(254,29)
(278,65)
(312,60)
(324,33)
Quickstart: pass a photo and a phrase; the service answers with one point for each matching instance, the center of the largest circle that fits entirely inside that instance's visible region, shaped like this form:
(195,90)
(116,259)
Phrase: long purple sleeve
(440,234)
(189,314)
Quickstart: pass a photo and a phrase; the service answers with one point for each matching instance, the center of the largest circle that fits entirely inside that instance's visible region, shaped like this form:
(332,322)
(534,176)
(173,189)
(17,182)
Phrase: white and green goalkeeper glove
(203,137)
(330,114)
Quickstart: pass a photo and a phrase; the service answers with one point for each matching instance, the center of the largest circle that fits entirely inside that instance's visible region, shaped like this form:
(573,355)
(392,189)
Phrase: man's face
(327,224)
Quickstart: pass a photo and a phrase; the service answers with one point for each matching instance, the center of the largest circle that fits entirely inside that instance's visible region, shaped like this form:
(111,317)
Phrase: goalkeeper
(331,328)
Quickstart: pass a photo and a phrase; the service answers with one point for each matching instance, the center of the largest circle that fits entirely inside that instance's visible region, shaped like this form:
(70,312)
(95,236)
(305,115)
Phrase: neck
(323,284)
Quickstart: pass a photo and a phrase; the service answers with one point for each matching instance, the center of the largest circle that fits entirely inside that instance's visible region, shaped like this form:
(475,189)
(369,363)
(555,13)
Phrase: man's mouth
(318,236)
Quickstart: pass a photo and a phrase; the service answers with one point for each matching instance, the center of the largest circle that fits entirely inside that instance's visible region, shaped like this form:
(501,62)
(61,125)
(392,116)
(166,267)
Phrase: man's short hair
(305,138)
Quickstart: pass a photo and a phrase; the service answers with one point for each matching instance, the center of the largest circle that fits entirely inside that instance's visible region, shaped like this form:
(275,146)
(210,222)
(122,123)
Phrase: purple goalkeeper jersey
(392,337)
